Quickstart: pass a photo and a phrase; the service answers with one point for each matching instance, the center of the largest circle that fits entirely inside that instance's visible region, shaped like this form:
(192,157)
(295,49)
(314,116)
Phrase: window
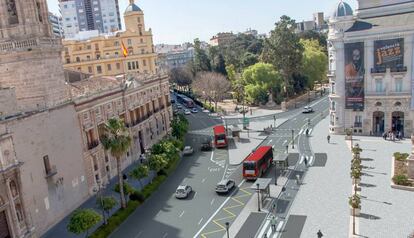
(116,53)
(112,20)
(141,40)
(65,6)
(116,43)
(111,14)
(90,69)
(129,42)
(99,69)
(142,51)
(77,59)
(333,88)
(88,57)
(136,62)
(129,66)
(144,62)
(333,106)
(358,121)
(398,85)
(378,85)
(332,120)
(139,20)
(118,66)
(109,67)
(67,60)
(88,47)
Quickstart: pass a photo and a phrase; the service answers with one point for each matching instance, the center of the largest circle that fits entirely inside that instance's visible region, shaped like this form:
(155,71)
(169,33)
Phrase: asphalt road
(162,215)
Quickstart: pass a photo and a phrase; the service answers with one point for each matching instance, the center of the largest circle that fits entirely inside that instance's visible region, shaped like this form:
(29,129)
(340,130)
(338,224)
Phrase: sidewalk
(239,150)
(60,230)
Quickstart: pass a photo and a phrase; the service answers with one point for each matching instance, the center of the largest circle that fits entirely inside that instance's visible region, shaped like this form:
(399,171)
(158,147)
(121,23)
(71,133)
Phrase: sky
(179,21)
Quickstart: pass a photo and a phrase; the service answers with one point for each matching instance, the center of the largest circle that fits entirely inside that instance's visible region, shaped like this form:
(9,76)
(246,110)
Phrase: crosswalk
(267,231)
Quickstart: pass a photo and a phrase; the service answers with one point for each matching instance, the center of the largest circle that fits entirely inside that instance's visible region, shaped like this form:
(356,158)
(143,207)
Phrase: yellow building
(104,54)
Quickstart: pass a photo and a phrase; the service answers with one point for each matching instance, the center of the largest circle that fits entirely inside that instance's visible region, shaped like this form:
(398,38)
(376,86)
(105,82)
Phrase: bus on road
(187,102)
(258,162)
(220,138)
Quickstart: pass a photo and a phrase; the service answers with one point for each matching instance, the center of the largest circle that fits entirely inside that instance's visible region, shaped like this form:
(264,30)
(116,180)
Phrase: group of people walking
(392,136)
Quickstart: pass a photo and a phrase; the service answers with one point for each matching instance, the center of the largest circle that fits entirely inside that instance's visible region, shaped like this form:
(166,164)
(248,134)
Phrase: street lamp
(275,163)
(287,149)
(227,229)
(293,140)
(274,121)
(258,196)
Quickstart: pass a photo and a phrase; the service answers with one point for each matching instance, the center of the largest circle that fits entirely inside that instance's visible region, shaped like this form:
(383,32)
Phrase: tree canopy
(314,62)
(82,220)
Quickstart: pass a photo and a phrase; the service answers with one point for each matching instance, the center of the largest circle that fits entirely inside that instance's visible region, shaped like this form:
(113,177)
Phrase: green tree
(259,80)
(117,141)
(315,35)
(283,50)
(106,203)
(249,59)
(179,126)
(201,59)
(82,220)
(139,173)
(157,162)
(314,62)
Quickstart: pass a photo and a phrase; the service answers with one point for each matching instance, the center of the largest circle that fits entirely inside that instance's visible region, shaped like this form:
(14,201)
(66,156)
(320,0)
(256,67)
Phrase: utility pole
(244,115)
(258,197)
(293,140)
(274,121)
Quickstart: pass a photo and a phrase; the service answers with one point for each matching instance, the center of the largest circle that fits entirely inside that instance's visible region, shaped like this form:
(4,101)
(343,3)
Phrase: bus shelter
(261,185)
(281,161)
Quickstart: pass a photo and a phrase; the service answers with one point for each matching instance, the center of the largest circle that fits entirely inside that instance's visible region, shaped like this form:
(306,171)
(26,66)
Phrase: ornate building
(103,54)
(371,67)
(50,155)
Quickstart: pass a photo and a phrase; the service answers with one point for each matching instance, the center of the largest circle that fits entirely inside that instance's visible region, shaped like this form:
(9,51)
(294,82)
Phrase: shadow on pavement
(368,216)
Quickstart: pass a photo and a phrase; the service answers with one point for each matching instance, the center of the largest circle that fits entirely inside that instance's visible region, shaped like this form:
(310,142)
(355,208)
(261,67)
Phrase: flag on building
(124,49)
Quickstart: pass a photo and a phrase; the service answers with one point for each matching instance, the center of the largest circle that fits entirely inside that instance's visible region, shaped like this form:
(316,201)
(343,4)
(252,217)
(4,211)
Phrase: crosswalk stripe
(265,226)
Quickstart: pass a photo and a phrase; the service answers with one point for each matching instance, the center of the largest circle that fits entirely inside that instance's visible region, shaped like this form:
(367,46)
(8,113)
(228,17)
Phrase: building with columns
(371,64)
(103,54)
(50,154)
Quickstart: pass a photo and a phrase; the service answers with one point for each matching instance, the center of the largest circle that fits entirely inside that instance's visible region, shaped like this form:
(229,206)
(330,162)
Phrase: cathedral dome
(132,7)
(342,10)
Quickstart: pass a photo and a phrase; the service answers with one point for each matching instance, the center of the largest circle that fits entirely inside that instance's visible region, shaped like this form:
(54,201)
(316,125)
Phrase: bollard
(298,179)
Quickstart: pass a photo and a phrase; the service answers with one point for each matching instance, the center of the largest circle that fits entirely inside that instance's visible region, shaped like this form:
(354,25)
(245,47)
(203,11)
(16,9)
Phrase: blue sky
(178,21)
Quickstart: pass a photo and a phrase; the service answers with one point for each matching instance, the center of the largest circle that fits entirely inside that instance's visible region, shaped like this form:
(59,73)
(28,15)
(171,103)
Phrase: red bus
(257,162)
(220,139)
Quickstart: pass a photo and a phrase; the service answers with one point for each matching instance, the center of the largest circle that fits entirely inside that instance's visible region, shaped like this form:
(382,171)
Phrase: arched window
(378,104)
(19,212)
(12,12)
(39,11)
(397,104)
(13,188)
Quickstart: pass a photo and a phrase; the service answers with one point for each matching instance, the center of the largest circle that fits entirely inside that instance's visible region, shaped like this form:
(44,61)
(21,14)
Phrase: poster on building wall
(354,75)
(389,53)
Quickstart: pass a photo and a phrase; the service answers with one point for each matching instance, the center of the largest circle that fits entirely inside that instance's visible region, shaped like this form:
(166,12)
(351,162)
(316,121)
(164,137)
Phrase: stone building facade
(103,54)
(50,154)
(371,64)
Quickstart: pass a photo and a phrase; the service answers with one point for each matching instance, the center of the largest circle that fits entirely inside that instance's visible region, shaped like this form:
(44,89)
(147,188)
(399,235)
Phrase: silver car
(183,191)
(225,185)
(188,150)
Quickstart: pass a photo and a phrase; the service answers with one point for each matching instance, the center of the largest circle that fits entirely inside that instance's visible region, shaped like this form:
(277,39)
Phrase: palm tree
(117,141)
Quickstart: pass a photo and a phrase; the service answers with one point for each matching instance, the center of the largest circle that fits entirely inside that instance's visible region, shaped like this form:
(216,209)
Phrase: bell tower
(30,60)
(134,18)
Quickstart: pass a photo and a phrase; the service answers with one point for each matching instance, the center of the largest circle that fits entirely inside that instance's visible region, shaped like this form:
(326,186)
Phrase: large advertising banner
(389,53)
(354,75)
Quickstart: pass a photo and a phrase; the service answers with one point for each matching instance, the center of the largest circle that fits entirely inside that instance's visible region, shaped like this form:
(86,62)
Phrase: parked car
(307,109)
(183,191)
(194,110)
(206,145)
(187,112)
(179,106)
(225,185)
(172,101)
(188,150)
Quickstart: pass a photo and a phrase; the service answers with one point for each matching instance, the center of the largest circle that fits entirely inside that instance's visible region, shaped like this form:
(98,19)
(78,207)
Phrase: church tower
(30,59)
(134,18)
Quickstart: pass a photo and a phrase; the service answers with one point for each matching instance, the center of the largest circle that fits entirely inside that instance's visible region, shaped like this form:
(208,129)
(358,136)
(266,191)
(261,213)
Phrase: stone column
(15,223)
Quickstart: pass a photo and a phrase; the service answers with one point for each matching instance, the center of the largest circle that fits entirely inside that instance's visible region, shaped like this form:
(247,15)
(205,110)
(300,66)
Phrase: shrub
(354,201)
(400,156)
(137,196)
(348,132)
(128,189)
(401,179)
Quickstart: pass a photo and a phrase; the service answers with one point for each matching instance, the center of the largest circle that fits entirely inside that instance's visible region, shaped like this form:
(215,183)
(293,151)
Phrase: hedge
(122,214)
(400,156)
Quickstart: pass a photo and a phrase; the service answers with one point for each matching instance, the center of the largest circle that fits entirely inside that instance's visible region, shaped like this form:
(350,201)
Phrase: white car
(225,185)
(188,150)
(179,106)
(183,191)
(187,112)
(194,110)
(307,109)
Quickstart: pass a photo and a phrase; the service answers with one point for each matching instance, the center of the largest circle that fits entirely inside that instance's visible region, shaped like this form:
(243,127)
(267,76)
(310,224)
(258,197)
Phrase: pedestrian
(384,135)
(400,136)
(273,223)
(306,161)
(319,234)
(329,139)
(251,111)
(307,131)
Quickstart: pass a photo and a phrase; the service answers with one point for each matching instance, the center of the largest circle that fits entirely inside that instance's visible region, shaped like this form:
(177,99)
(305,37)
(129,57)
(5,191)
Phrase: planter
(348,137)
(357,211)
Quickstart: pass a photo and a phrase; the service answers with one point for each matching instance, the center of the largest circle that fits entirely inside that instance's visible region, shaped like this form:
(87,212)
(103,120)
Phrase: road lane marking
(204,179)
(270,141)
(158,213)
(165,235)
(182,213)
(212,201)
(195,194)
(284,142)
(200,221)
(139,234)
(217,211)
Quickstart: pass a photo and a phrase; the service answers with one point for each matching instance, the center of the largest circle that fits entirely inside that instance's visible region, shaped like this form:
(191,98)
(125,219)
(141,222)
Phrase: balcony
(357,124)
(93,145)
(331,73)
(378,70)
(399,69)
(51,171)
